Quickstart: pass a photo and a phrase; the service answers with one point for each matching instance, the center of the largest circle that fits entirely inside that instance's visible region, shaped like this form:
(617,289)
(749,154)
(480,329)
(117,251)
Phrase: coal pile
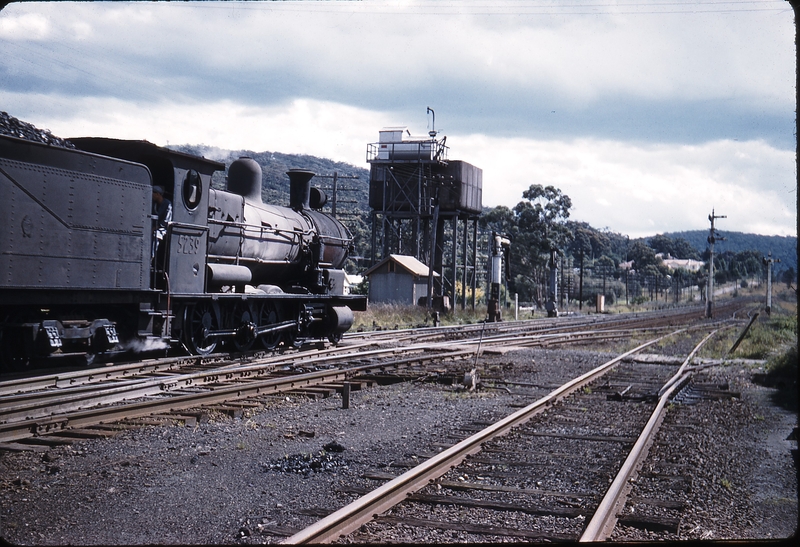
(306,464)
(9,125)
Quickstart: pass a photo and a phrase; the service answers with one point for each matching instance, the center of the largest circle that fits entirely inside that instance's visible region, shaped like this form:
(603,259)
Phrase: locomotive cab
(186,181)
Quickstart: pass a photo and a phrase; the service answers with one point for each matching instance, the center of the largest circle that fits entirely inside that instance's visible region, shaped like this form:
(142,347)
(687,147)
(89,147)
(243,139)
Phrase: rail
(605,517)
(352,516)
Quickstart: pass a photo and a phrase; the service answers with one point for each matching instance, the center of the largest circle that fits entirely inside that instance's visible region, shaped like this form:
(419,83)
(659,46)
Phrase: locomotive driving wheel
(242,321)
(269,315)
(198,321)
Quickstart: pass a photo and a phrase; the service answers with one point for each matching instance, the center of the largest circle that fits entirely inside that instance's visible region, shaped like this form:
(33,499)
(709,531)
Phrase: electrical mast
(768,262)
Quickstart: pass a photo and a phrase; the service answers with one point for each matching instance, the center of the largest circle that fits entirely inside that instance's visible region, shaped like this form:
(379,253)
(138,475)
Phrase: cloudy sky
(648,114)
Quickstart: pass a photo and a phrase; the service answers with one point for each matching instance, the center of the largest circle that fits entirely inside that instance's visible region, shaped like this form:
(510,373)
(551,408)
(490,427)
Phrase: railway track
(302,455)
(551,325)
(67,403)
(556,470)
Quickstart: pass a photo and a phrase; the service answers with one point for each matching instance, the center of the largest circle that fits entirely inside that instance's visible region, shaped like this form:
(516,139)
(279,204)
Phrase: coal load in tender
(9,125)
(305,464)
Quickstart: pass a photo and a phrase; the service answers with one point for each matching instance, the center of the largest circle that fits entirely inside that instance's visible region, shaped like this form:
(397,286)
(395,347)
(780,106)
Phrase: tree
(662,244)
(787,276)
(501,219)
(535,226)
(683,249)
(587,240)
(542,217)
(643,256)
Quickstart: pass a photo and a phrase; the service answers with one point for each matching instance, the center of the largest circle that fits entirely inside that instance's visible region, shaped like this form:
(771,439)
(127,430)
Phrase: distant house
(671,263)
(684,263)
(398,279)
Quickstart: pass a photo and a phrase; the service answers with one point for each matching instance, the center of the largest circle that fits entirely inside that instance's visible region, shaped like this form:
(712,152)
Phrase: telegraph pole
(335,191)
(768,261)
(713,237)
(551,305)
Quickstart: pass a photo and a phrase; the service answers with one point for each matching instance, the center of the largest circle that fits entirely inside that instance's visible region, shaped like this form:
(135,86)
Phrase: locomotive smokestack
(244,178)
(299,188)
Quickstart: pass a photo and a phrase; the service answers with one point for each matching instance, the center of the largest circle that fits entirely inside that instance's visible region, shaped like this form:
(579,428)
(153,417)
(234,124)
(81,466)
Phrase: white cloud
(576,59)
(295,76)
(636,189)
(642,189)
(24,27)
(329,130)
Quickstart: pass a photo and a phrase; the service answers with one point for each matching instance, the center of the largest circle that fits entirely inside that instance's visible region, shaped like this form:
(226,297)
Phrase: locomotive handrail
(186,225)
(225,259)
(292,235)
(326,238)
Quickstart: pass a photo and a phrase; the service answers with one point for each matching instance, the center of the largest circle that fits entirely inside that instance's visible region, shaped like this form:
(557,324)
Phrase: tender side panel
(72,220)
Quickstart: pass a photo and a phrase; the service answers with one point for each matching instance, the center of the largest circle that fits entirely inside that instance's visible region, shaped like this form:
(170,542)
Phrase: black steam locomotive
(80,273)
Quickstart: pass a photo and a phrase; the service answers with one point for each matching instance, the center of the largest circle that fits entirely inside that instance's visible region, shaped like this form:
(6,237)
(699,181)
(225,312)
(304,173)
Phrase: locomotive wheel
(269,315)
(242,320)
(198,320)
(291,337)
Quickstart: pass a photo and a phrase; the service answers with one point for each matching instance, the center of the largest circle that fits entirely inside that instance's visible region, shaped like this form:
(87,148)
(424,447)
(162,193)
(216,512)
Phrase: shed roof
(409,263)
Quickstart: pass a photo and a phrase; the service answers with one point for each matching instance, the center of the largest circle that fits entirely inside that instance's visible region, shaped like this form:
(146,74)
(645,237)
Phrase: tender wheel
(269,315)
(198,320)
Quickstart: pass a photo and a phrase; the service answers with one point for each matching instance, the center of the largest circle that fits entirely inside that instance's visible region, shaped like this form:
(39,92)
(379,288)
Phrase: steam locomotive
(79,273)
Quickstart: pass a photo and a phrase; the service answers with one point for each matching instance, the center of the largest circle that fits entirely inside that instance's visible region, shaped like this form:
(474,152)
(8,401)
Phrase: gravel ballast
(280,468)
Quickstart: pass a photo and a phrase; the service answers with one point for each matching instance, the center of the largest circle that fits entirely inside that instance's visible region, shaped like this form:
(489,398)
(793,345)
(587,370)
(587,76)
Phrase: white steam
(141,345)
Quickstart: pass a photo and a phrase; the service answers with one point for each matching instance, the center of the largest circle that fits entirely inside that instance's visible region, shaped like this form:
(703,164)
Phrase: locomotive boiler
(79,273)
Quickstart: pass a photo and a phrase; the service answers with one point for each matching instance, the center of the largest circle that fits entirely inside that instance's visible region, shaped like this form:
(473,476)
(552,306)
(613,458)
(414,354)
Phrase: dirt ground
(233,480)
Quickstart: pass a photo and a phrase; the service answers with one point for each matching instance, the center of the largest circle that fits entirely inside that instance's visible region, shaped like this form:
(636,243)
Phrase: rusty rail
(605,517)
(352,516)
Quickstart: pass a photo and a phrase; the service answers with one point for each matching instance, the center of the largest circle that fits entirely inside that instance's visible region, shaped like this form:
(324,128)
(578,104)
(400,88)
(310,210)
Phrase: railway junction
(290,447)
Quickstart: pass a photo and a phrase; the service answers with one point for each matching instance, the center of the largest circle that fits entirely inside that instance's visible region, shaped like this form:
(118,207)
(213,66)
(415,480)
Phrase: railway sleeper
(22,447)
(482,529)
(652,524)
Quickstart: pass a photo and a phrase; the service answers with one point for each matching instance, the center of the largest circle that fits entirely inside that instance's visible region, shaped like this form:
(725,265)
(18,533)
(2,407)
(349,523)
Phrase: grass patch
(782,375)
(766,338)
(395,317)
(769,337)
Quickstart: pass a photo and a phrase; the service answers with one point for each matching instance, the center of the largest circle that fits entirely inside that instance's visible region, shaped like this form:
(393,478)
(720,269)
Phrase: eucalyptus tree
(541,224)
